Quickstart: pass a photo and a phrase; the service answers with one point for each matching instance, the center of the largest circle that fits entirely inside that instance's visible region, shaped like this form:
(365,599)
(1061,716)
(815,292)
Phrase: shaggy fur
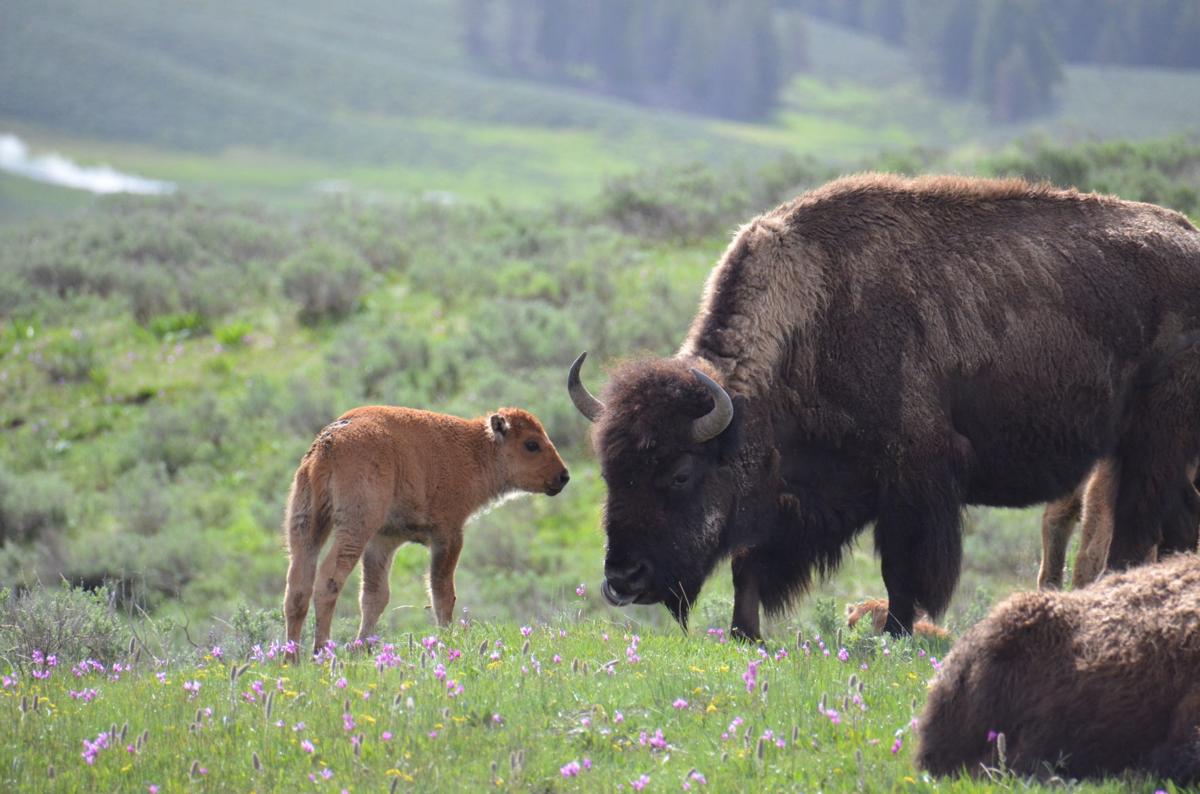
(897,349)
(1092,505)
(1086,684)
(877,609)
(382,476)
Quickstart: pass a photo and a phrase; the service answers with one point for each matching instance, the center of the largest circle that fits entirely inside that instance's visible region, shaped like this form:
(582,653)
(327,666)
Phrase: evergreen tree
(1012,44)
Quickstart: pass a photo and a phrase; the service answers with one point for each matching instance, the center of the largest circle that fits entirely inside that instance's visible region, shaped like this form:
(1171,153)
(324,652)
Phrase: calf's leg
(375,592)
(355,521)
(306,528)
(444,549)
(1058,522)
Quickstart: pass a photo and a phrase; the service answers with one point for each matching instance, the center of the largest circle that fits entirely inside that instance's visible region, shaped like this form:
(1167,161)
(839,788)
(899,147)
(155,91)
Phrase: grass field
(562,706)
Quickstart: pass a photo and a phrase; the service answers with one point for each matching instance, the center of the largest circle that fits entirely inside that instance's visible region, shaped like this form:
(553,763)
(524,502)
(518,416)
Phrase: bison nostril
(632,578)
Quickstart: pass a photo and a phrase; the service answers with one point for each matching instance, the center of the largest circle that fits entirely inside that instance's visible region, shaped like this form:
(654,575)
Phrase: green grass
(572,691)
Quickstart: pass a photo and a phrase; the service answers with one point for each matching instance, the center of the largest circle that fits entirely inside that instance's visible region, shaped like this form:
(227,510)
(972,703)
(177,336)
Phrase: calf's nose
(564,478)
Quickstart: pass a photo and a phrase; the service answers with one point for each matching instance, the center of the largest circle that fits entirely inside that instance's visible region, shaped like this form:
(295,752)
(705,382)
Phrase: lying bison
(1087,683)
(889,350)
(381,476)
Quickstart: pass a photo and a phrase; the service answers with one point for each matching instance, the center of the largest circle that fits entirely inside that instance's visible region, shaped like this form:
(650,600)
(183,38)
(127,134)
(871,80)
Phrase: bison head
(663,437)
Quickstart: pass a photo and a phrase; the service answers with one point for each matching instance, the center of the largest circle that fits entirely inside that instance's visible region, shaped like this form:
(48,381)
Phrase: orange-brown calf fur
(381,476)
(877,608)
(1092,505)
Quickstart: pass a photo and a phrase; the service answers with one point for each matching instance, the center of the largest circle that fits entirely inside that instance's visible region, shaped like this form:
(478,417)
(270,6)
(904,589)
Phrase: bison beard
(894,350)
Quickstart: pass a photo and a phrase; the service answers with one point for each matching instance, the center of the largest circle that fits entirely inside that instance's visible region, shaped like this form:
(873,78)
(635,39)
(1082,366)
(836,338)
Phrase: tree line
(1009,54)
(730,58)
(713,57)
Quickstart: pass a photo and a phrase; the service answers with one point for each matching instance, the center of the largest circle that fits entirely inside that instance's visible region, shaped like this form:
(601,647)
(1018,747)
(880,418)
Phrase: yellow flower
(368,718)
(696,669)
(393,771)
(724,668)
(493,665)
(712,707)
(127,767)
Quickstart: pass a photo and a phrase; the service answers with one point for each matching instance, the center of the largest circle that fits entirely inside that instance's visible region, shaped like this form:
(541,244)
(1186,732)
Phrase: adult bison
(889,350)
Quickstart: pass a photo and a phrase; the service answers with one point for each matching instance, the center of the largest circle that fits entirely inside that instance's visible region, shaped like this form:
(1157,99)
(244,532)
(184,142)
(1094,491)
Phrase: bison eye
(680,479)
(532,445)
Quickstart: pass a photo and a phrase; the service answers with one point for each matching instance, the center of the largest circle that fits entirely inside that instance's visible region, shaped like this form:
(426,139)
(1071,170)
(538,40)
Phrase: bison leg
(375,592)
(921,551)
(443,560)
(1058,522)
(746,600)
(301,572)
(306,528)
(1099,502)
(331,578)
(1178,759)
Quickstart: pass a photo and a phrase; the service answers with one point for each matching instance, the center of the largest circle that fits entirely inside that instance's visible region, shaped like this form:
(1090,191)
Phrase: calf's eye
(532,445)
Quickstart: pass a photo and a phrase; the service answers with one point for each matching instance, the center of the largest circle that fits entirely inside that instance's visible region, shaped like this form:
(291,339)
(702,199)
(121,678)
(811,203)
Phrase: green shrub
(69,622)
(32,505)
(177,326)
(68,358)
(234,334)
(326,280)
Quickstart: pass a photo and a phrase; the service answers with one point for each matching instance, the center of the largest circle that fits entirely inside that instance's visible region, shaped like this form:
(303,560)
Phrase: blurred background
(224,223)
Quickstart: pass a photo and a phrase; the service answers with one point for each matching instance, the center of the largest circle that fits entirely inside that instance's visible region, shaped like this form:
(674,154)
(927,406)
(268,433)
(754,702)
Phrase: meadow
(566,705)
(165,362)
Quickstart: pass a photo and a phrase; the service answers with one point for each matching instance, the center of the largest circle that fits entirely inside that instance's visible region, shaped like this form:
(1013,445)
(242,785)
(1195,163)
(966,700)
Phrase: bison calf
(877,609)
(381,476)
(1092,504)
(1088,683)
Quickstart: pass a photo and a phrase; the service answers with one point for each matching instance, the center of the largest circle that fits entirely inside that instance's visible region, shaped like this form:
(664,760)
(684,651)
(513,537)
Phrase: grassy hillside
(286,103)
(165,362)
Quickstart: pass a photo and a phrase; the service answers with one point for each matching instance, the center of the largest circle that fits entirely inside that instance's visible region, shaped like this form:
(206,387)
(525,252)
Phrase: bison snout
(556,485)
(624,584)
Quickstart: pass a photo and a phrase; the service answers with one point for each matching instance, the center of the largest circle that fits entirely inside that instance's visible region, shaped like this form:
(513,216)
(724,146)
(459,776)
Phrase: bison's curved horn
(713,423)
(588,405)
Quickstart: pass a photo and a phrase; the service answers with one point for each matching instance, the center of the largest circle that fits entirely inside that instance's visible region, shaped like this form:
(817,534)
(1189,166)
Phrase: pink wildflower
(680,703)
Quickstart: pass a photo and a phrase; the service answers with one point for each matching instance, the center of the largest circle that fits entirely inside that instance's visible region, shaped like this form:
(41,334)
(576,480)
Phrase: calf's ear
(499,426)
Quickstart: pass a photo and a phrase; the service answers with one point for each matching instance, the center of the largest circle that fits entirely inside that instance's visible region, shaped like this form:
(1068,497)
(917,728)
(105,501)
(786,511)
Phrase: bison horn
(588,405)
(713,423)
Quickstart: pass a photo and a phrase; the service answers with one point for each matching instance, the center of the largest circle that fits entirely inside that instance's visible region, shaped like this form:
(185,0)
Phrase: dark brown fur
(897,349)
(1088,683)
(381,476)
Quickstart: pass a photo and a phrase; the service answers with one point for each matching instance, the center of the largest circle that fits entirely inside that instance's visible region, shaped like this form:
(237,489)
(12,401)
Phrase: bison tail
(306,521)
